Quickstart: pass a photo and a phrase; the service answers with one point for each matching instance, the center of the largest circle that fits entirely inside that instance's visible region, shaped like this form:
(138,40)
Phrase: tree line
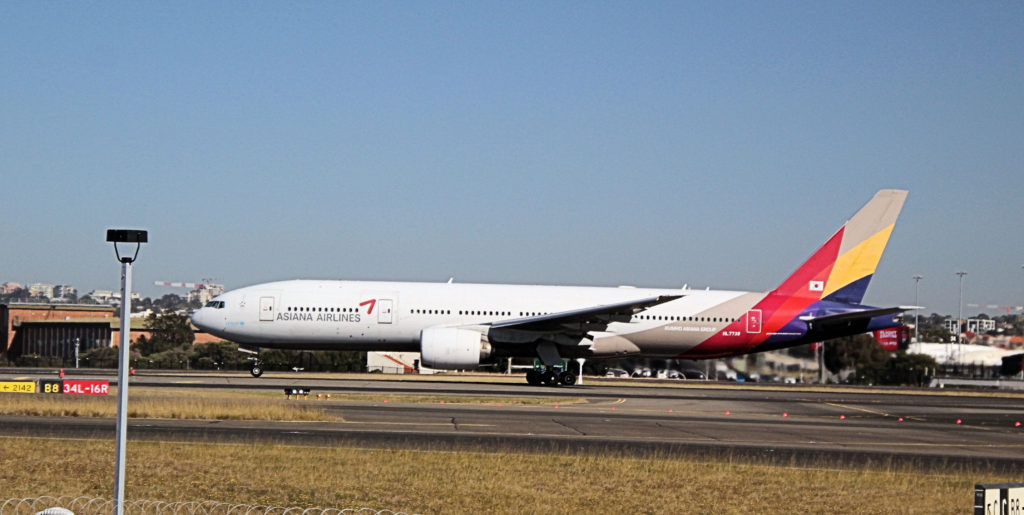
(871,364)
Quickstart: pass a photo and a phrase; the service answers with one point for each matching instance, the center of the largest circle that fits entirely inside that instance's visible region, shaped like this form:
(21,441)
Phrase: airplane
(457,326)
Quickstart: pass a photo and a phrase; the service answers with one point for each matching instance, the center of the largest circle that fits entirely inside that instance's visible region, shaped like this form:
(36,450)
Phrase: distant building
(971,327)
(64,291)
(961,354)
(976,325)
(200,293)
(41,290)
(205,292)
(8,288)
(110,297)
(102,296)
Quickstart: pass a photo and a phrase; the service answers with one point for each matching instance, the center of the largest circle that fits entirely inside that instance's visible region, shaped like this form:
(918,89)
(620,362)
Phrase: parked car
(693,374)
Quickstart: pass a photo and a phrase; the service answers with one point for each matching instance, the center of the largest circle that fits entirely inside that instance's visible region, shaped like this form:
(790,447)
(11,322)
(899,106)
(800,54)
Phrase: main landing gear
(550,377)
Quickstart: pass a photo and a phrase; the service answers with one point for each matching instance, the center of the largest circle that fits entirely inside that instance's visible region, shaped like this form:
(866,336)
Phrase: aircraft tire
(550,378)
(534,377)
(567,378)
(256,371)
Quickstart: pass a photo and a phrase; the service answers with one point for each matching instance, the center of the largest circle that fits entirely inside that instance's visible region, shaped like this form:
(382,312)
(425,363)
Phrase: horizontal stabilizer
(857,315)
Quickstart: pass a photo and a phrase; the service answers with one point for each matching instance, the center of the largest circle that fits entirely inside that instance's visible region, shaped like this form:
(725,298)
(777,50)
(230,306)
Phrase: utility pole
(137,237)
(959,320)
(917,302)
(819,356)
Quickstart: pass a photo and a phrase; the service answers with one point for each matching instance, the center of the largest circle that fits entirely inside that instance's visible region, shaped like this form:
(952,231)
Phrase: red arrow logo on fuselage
(371,303)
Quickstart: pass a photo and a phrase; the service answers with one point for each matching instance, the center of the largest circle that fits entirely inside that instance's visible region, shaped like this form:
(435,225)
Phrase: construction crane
(201,292)
(1008,309)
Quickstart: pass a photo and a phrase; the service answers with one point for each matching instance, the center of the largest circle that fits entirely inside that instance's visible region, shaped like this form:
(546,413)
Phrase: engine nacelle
(451,348)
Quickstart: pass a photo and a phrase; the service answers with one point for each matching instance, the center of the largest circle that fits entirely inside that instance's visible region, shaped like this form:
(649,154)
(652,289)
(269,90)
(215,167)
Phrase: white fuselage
(390,316)
(458,326)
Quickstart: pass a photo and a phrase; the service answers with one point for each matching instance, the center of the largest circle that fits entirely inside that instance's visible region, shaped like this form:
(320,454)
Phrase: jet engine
(451,348)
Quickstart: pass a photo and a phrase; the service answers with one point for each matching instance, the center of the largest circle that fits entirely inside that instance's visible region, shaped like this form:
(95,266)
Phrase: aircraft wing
(574,323)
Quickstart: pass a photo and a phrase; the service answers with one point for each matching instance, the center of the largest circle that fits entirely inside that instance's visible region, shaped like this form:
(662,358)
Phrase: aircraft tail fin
(842,268)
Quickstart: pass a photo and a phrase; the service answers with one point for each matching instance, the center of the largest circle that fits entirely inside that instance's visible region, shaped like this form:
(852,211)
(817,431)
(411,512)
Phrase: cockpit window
(215,304)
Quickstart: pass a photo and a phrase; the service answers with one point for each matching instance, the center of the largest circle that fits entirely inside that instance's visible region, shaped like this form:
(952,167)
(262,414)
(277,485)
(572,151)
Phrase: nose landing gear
(254,355)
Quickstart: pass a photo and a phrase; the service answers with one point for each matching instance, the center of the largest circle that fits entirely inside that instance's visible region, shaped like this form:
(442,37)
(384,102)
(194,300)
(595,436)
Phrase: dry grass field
(181,403)
(468,482)
(435,481)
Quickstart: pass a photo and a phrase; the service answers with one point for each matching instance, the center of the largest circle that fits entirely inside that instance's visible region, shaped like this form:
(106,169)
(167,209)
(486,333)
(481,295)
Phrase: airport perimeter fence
(99,506)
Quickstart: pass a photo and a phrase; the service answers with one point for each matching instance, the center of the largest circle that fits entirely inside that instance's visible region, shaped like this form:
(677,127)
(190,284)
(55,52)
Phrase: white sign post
(999,499)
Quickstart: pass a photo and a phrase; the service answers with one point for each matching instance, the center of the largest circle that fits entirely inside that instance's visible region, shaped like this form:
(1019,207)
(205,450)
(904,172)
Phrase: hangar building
(50,330)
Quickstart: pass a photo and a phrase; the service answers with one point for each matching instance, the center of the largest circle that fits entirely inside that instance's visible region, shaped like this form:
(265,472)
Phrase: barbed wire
(67,505)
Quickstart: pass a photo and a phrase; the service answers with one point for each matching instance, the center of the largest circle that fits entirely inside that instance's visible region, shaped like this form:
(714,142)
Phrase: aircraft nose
(198,318)
(208,320)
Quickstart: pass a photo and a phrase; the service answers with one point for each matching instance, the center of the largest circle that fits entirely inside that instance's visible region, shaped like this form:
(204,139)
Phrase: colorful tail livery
(459,326)
(822,298)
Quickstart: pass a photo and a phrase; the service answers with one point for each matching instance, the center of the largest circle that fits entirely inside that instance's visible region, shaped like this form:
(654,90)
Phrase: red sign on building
(890,339)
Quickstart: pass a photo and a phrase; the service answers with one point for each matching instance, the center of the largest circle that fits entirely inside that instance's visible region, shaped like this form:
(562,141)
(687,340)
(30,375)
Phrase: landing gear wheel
(534,377)
(567,378)
(551,378)
(256,371)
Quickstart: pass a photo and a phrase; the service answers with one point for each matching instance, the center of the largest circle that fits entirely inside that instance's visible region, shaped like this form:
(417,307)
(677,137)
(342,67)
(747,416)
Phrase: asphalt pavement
(787,424)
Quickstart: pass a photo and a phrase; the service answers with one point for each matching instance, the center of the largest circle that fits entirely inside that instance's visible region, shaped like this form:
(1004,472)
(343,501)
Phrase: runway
(783,424)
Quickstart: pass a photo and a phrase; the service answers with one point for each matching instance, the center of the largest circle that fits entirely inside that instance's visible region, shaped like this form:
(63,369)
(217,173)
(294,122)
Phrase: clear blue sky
(715,144)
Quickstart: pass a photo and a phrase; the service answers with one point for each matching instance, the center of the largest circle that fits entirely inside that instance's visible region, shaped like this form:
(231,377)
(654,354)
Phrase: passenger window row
(472,312)
(537,313)
(323,310)
(687,319)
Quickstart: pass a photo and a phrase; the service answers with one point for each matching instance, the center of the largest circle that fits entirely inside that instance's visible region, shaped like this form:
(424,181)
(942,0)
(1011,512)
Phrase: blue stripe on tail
(852,293)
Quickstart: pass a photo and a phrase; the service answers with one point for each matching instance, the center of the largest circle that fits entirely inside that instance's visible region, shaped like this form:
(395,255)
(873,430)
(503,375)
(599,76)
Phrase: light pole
(137,237)
(917,290)
(960,318)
